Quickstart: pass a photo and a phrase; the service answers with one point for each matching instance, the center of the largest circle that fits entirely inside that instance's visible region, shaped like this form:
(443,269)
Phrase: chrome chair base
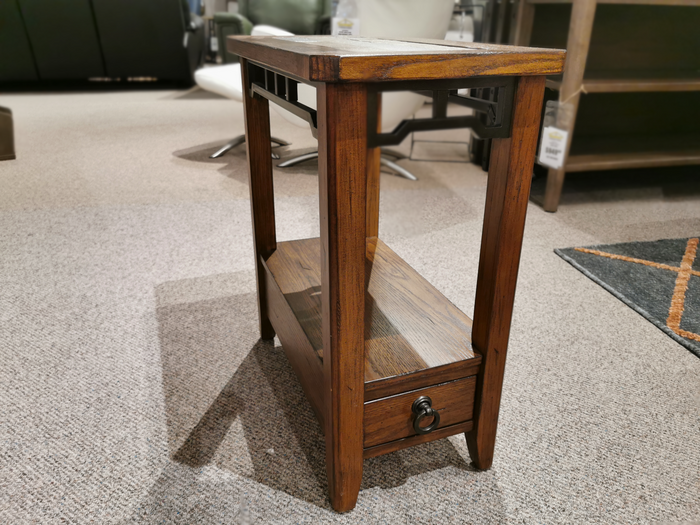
(240,139)
(385,161)
(298,160)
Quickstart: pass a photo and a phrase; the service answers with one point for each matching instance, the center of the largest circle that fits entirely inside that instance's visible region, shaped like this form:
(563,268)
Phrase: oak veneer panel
(391,418)
(332,59)
(414,336)
(296,346)
(421,378)
(393,446)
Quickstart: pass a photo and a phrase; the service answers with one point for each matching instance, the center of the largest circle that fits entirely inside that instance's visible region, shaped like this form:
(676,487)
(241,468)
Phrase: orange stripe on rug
(675,314)
(688,335)
(635,260)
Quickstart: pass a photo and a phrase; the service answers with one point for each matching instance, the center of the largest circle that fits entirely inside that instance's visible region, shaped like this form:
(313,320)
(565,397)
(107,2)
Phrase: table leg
(258,147)
(507,195)
(374,157)
(552,192)
(577,45)
(342,169)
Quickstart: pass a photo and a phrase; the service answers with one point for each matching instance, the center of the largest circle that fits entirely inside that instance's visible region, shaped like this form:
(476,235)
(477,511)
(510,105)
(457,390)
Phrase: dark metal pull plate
(422,408)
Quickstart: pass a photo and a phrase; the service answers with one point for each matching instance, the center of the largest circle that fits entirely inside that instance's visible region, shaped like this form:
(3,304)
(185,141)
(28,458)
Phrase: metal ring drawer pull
(422,408)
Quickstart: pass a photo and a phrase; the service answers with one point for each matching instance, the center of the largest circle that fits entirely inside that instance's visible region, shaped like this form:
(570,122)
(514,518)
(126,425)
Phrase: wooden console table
(384,358)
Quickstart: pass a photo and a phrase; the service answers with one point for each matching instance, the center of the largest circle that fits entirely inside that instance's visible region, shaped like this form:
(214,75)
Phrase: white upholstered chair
(226,81)
(388,19)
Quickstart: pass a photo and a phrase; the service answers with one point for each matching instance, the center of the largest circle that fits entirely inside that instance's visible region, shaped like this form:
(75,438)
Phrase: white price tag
(553,147)
(214,44)
(345,26)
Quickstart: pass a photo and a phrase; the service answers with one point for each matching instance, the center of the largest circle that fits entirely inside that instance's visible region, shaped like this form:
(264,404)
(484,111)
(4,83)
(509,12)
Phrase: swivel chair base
(385,161)
(240,139)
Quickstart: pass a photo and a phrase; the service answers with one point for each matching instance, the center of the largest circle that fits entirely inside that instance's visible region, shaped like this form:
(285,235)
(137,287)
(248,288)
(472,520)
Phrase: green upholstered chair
(150,38)
(301,17)
(225,80)
(16,58)
(82,39)
(63,38)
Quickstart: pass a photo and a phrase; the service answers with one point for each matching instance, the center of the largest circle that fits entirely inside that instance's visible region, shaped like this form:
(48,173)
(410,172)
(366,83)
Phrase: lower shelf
(615,161)
(609,153)
(617,81)
(415,337)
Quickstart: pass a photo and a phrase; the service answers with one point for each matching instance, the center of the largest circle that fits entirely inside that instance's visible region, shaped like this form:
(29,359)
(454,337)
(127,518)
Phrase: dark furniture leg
(342,167)
(507,196)
(7,136)
(257,130)
(374,156)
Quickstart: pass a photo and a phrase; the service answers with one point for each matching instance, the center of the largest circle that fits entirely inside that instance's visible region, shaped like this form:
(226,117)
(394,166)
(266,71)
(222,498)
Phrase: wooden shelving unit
(632,75)
(624,2)
(631,85)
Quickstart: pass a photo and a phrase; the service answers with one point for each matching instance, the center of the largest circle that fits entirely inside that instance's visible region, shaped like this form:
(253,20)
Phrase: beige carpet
(128,325)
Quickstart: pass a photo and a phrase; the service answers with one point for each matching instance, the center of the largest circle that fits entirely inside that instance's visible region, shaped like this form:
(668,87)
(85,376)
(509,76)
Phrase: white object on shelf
(461,28)
(214,6)
(265,30)
(346,21)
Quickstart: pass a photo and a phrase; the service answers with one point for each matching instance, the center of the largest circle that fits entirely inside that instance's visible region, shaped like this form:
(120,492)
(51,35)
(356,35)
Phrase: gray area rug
(660,280)
(134,389)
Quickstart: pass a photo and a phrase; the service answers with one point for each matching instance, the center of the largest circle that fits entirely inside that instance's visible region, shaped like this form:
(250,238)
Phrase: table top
(323,58)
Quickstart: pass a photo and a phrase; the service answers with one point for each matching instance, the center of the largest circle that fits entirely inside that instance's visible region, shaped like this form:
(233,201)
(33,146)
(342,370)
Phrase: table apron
(491,98)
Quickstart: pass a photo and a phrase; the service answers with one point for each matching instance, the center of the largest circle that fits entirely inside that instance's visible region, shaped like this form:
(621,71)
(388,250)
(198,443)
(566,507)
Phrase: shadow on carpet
(658,279)
(233,401)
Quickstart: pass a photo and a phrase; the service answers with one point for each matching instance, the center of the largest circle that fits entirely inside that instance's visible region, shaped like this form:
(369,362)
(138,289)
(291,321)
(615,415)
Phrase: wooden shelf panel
(628,2)
(414,336)
(614,161)
(607,153)
(631,85)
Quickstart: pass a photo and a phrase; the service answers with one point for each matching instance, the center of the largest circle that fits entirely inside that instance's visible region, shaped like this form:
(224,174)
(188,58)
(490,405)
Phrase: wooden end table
(385,360)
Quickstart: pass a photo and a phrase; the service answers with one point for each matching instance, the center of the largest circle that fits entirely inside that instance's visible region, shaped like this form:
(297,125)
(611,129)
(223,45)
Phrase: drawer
(391,418)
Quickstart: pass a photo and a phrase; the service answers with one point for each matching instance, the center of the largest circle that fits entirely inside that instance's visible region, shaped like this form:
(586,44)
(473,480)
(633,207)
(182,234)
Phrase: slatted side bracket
(281,90)
(492,100)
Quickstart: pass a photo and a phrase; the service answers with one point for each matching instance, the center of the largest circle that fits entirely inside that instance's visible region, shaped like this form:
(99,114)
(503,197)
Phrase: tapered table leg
(374,156)
(342,167)
(259,149)
(507,194)
(578,43)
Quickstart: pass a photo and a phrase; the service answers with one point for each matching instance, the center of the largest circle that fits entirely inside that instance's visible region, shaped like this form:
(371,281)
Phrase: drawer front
(391,418)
